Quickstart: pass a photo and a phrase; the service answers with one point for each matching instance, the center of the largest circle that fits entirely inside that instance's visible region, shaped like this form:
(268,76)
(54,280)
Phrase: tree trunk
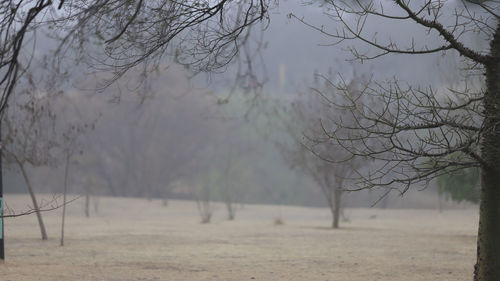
(87,202)
(488,243)
(204,210)
(230,210)
(336,208)
(329,192)
(35,203)
(64,198)
(164,194)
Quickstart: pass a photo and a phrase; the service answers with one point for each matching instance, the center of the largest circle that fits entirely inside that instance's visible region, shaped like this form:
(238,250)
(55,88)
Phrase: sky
(302,51)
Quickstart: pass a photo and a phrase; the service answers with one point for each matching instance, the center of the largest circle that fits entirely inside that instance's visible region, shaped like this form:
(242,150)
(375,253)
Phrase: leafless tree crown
(414,133)
(114,36)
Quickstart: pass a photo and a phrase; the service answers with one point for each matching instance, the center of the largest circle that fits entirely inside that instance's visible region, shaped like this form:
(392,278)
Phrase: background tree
(203,192)
(69,147)
(306,120)
(235,178)
(29,129)
(463,185)
(157,145)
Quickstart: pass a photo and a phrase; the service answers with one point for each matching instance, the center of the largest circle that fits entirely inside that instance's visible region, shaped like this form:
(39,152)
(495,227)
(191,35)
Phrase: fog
(149,136)
(289,137)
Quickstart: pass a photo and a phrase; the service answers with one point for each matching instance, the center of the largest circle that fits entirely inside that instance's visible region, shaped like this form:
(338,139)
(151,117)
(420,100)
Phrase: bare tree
(158,143)
(203,189)
(69,146)
(32,135)
(17,19)
(234,179)
(231,160)
(416,132)
(28,138)
(310,152)
(203,35)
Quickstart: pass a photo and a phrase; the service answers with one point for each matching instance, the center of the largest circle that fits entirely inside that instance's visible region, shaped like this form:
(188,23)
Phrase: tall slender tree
(28,128)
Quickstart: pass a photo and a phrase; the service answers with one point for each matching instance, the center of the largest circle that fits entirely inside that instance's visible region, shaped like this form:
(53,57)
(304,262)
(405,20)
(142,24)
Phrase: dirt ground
(134,239)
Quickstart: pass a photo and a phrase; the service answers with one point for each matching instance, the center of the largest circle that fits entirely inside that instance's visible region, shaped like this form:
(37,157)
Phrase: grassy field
(134,239)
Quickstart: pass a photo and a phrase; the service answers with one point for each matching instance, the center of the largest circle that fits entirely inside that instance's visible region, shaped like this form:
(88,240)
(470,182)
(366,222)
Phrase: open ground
(135,239)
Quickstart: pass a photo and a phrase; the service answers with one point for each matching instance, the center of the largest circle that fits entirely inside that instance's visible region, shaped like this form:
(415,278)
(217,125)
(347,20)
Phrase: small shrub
(278,221)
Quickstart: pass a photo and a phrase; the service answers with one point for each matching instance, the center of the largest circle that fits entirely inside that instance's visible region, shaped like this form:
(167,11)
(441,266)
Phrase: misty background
(167,135)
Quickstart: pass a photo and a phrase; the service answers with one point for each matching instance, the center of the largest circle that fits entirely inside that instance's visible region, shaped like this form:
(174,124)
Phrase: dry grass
(133,239)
